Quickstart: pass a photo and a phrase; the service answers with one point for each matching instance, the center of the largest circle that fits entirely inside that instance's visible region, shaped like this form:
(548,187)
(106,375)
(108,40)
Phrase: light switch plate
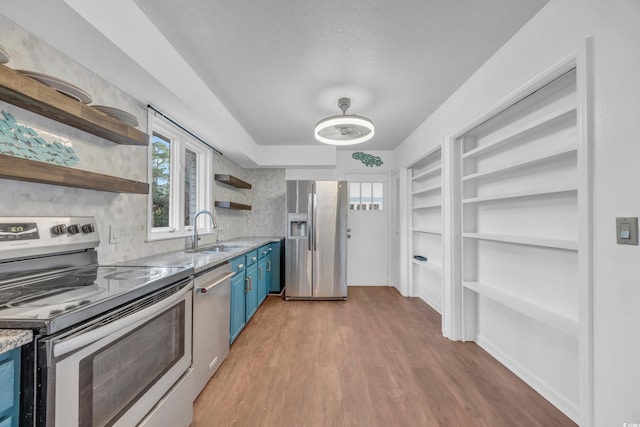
(627,230)
(114,234)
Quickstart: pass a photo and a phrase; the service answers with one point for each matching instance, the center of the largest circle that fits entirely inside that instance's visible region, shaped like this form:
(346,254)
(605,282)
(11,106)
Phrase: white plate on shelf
(117,114)
(60,85)
(4,55)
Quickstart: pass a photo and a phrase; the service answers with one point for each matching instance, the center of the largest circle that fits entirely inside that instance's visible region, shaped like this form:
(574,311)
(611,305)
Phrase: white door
(368,244)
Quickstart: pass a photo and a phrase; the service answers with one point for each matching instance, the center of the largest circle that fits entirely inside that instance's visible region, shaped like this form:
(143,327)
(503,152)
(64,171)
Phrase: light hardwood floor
(378,359)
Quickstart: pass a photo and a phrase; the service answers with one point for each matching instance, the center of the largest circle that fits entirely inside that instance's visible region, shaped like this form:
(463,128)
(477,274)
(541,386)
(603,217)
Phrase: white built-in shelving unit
(519,183)
(425,178)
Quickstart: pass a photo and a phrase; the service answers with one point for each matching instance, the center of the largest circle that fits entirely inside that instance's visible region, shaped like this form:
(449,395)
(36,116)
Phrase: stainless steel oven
(112,344)
(114,369)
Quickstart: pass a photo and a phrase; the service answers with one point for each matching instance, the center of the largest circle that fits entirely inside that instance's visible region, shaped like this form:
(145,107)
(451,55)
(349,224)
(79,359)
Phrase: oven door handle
(84,338)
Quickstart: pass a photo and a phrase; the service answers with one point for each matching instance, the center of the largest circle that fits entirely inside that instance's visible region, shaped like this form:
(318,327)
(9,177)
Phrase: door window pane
(190,185)
(366,196)
(376,201)
(354,195)
(365,199)
(161,166)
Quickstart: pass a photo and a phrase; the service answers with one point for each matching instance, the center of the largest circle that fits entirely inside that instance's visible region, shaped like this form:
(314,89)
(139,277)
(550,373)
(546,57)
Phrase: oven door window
(113,378)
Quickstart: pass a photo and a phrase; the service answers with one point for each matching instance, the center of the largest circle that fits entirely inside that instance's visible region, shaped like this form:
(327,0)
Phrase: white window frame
(180,142)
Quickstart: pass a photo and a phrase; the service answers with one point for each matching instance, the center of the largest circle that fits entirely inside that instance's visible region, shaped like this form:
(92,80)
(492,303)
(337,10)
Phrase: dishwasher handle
(219,280)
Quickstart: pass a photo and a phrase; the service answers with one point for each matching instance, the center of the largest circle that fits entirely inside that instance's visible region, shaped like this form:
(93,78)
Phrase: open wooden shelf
(232,181)
(27,93)
(45,173)
(528,308)
(232,205)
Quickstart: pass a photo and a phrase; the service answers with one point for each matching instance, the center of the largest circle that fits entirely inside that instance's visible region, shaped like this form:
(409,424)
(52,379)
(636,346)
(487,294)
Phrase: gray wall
(127,212)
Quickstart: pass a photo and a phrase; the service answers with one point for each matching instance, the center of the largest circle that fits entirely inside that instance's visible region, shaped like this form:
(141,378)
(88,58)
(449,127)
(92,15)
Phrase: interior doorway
(368,242)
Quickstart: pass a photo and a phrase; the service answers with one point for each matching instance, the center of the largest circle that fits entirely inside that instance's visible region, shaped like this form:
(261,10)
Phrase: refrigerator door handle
(310,220)
(315,217)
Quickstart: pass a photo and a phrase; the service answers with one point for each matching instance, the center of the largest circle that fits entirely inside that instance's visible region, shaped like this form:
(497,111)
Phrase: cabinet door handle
(268,265)
(253,258)
(246,280)
(260,276)
(240,266)
(250,284)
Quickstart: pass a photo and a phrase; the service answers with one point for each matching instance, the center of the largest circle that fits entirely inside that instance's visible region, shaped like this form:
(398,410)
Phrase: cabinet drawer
(238,264)
(251,257)
(263,251)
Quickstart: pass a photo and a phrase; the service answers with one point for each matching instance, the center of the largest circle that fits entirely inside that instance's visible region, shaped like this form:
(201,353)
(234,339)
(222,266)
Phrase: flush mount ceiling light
(345,129)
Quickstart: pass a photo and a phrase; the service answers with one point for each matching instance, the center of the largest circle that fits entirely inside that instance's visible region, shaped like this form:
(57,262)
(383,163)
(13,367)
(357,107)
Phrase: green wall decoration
(22,141)
(368,159)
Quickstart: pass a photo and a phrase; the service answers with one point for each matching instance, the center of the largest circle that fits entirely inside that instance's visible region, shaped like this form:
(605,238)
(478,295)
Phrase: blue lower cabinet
(238,306)
(275,285)
(251,284)
(251,297)
(263,266)
(9,388)
(268,274)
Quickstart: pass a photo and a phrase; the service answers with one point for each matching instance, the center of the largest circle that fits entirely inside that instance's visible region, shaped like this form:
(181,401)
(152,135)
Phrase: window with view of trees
(161,173)
(179,167)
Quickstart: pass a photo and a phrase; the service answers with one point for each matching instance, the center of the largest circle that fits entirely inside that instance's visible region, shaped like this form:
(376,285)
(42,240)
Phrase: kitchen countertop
(201,261)
(13,338)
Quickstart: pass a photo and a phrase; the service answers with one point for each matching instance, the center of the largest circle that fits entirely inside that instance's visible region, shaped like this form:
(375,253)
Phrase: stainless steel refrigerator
(316,246)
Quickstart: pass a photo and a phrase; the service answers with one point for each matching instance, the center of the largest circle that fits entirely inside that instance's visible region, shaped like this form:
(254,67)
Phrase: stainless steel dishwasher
(211,311)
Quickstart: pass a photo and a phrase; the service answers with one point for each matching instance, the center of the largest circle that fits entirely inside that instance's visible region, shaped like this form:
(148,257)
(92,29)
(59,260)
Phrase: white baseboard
(433,304)
(557,399)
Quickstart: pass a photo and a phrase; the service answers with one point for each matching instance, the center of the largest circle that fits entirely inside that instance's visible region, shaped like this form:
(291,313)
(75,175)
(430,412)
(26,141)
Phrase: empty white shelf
(427,173)
(524,193)
(531,309)
(427,230)
(570,245)
(513,166)
(426,190)
(429,206)
(427,263)
(556,115)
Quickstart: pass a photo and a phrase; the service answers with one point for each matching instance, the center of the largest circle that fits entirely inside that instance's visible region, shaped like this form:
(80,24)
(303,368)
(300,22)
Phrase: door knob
(348,236)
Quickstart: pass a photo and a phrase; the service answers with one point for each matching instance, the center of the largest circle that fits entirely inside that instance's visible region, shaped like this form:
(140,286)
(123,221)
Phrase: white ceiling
(279,66)
(254,77)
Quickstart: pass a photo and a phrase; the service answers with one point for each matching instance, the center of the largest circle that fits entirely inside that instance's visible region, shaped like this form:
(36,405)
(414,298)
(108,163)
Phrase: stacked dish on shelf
(60,85)
(117,114)
(76,93)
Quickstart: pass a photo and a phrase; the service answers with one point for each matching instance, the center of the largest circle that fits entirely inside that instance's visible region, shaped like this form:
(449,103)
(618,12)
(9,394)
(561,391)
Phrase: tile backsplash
(126,212)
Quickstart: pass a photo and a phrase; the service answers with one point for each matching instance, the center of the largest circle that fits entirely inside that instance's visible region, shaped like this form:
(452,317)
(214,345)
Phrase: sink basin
(215,249)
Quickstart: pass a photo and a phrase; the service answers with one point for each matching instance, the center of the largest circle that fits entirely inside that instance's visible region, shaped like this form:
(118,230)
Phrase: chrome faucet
(195,226)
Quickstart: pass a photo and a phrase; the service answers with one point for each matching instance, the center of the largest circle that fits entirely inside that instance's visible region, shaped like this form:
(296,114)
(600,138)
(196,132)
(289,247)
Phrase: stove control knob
(88,228)
(59,229)
(73,229)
